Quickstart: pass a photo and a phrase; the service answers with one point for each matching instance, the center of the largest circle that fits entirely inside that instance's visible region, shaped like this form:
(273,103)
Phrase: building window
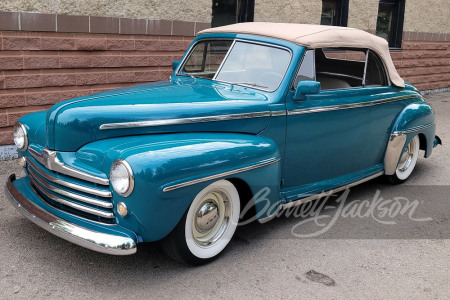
(225,12)
(334,12)
(390,21)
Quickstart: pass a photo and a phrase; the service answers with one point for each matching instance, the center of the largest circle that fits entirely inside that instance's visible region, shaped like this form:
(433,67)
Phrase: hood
(184,105)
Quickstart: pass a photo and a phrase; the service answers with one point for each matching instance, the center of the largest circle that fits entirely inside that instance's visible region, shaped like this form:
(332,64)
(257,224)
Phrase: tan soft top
(318,36)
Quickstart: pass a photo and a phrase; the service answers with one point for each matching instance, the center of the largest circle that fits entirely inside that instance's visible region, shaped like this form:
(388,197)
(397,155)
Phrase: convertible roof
(318,36)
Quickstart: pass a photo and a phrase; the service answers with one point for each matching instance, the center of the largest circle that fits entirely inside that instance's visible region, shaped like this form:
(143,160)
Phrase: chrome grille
(84,200)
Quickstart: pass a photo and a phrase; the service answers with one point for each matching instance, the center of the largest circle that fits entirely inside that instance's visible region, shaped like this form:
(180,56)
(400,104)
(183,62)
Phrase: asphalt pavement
(399,248)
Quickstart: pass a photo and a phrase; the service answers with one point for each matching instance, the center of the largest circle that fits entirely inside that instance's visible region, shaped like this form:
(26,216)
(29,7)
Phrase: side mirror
(306,87)
(175,64)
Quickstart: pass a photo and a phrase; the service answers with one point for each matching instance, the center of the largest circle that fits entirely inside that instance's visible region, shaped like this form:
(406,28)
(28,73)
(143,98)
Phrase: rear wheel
(407,162)
(208,225)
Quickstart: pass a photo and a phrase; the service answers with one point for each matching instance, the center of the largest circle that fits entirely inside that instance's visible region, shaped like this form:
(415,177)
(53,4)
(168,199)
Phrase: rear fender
(415,119)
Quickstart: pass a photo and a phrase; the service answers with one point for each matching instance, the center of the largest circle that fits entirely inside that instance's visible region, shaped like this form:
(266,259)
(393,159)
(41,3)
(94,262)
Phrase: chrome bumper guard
(97,241)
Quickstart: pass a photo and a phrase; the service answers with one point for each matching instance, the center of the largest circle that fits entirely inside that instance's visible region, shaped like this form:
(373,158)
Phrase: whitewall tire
(208,225)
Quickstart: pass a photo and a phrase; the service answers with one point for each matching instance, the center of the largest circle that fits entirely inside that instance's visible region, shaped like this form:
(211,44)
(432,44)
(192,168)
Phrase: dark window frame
(244,12)
(396,29)
(341,18)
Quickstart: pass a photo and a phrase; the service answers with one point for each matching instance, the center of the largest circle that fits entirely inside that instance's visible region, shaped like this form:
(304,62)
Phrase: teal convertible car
(291,109)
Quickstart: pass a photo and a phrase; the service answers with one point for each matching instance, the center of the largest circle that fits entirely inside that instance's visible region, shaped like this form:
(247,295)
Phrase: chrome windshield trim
(349,106)
(414,129)
(261,44)
(114,244)
(341,188)
(224,59)
(67,194)
(182,63)
(49,159)
(82,208)
(96,192)
(216,176)
(193,120)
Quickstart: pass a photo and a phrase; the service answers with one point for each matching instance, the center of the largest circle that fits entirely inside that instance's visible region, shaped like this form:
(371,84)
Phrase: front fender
(170,169)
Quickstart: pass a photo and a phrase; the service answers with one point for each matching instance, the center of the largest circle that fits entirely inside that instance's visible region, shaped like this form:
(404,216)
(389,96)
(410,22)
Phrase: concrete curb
(8,152)
(428,92)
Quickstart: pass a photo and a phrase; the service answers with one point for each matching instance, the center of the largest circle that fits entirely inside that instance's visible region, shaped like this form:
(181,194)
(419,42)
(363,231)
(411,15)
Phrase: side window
(375,74)
(340,68)
(307,70)
(205,59)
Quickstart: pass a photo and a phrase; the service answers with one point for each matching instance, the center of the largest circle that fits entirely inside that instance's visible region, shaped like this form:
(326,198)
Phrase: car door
(338,135)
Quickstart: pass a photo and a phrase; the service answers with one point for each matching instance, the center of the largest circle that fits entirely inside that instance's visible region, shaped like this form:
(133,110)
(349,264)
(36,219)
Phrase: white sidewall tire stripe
(209,252)
(405,175)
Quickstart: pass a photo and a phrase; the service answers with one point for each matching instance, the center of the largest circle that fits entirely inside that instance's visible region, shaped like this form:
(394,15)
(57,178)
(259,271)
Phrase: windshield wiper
(251,84)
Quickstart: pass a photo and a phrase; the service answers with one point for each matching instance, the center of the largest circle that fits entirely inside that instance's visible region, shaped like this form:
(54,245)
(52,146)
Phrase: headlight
(121,177)
(20,136)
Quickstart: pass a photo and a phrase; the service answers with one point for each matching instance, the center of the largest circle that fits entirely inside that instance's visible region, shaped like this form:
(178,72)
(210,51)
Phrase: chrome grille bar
(80,198)
(96,192)
(51,162)
(82,208)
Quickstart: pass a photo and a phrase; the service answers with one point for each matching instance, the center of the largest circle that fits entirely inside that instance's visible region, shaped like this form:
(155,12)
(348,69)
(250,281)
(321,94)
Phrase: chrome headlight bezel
(18,127)
(113,177)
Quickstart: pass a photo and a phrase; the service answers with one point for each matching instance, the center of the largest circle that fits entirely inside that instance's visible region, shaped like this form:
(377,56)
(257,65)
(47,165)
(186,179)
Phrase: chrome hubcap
(207,217)
(211,218)
(407,157)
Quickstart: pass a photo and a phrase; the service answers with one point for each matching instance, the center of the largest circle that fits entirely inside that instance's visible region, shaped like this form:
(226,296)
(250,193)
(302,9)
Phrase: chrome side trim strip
(71,204)
(94,240)
(68,194)
(51,162)
(317,196)
(166,122)
(349,106)
(414,129)
(216,176)
(272,216)
(96,192)
(278,113)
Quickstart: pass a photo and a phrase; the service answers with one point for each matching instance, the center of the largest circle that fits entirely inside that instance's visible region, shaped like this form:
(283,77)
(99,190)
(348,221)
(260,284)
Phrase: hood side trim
(151,123)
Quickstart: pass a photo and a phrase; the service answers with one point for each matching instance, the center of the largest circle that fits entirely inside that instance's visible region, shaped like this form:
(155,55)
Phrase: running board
(317,196)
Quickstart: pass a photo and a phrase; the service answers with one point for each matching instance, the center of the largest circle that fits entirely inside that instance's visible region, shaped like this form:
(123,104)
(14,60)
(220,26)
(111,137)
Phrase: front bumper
(87,238)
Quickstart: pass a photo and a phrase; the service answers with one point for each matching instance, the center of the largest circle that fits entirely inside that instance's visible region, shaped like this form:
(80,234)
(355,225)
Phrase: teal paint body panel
(353,139)
(159,161)
(324,141)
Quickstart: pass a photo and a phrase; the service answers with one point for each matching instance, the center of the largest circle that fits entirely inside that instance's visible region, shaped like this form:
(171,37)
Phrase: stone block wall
(43,60)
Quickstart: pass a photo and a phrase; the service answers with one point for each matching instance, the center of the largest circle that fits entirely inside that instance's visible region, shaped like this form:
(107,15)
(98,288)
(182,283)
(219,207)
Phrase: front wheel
(407,162)
(208,225)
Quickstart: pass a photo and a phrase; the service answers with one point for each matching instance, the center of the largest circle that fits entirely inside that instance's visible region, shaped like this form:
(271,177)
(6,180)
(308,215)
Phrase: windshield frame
(235,40)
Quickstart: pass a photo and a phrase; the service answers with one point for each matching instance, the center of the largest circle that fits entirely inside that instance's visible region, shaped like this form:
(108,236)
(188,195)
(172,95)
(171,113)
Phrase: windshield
(256,65)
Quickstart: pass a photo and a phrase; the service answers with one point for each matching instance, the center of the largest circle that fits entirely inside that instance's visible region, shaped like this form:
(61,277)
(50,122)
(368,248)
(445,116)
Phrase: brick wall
(46,62)
(38,70)
(426,64)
